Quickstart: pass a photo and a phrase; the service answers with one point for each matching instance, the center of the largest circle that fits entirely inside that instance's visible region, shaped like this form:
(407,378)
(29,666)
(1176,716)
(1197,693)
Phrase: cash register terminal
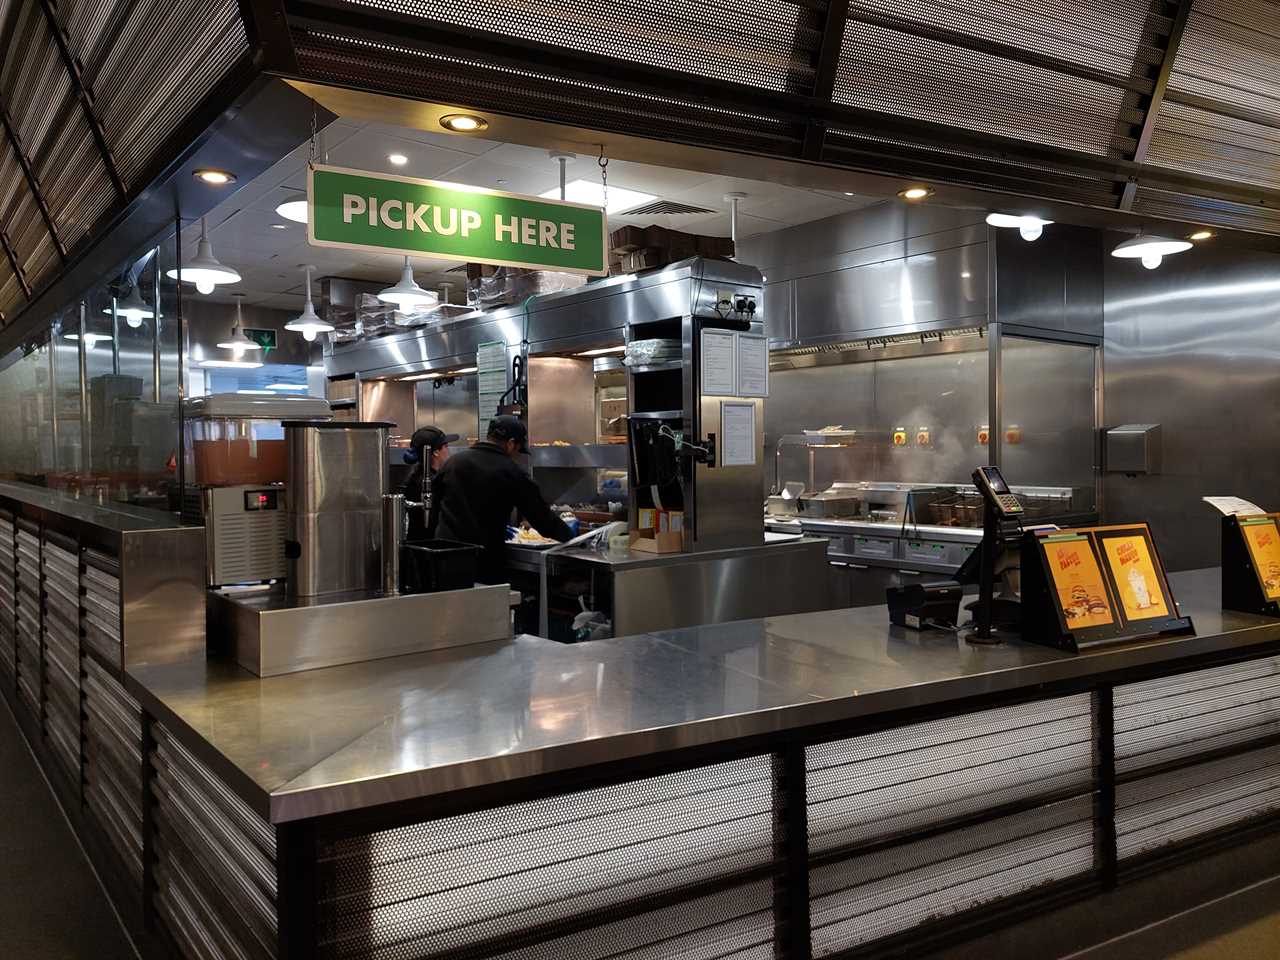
(996,493)
(995,617)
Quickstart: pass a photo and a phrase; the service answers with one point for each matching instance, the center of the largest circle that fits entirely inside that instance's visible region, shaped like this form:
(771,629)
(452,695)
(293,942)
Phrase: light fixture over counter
(294,208)
(308,323)
(204,270)
(1028,226)
(1151,250)
(407,295)
(239,343)
(463,122)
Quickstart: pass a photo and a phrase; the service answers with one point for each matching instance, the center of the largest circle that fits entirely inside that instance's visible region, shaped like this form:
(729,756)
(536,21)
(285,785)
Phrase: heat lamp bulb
(205,286)
(1151,260)
(308,335)
(1031,231)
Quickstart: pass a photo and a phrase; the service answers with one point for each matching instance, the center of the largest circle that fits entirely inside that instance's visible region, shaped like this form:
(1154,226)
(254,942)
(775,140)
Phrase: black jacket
(472,498)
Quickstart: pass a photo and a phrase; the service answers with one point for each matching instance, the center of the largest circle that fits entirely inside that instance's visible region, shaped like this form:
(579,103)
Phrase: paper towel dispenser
(1133,448)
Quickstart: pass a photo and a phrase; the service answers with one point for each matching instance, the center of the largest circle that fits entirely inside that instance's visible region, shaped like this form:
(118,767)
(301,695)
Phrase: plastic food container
(429,566)
(234,440)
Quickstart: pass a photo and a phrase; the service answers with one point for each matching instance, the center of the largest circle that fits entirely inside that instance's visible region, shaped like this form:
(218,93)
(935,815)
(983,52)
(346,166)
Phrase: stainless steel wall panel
(1168,808)
(1193,346)
(1054,283)
(779,313)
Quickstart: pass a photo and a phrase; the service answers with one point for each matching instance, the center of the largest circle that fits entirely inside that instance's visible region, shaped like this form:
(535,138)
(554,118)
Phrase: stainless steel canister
(337,476)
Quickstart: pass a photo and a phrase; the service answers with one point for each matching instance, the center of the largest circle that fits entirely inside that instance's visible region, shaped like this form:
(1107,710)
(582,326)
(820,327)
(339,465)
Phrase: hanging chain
(603,162)
(311,160)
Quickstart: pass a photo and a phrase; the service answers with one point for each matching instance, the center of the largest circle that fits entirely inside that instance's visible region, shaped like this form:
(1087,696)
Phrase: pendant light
(1151,250)
(239,343)
(204,271)
(132,308)
(407,295)
(1029,227)
(308,323)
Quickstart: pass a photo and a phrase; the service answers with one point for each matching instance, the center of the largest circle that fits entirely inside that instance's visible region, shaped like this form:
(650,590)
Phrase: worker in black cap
(428,451)
(477,489)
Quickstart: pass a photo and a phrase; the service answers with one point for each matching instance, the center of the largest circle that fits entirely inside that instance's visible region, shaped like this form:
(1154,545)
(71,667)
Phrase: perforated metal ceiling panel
(1230,52)
(149,64)
(911,76)
(747,41)
(1198,141)
(1102,36)
(1198,209)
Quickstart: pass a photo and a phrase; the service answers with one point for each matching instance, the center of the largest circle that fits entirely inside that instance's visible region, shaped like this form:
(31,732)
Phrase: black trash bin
(429,566)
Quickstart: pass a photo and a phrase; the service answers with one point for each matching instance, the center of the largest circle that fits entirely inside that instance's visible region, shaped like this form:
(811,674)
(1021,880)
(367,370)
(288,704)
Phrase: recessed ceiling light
(592,193)
(1201,235)
(219,178)
(965,275)
(463,122)
(499,181)
(915,193)
(848,193)
(279,226)
(399,159)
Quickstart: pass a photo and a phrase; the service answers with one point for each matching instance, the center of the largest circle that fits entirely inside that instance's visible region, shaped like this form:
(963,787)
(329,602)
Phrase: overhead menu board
(1093,585)
(1251,563)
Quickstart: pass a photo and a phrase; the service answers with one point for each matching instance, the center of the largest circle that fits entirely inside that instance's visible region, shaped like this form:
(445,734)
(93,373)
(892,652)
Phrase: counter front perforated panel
(113,763)
(463,886)
(215,860)
(61,631)
(8,602)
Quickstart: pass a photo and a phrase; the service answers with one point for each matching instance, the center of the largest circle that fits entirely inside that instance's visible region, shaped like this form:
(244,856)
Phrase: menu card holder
(1251,564)
(1091,586)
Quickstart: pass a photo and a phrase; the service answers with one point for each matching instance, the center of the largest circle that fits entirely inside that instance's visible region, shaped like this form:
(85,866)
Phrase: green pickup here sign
(359,210)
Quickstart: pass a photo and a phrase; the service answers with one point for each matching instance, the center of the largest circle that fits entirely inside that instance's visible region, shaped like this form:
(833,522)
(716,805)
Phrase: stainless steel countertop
(353,736)
(115,517)
(853,528)
(524,557)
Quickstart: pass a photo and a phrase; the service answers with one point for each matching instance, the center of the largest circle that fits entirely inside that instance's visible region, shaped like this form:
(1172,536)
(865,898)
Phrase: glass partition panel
(1048,417)
(26,421)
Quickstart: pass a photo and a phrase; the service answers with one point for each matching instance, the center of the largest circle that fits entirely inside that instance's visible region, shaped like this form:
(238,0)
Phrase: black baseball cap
(432,437)
(508,427)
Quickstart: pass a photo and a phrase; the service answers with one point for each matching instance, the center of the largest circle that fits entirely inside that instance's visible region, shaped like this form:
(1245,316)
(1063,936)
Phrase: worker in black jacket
(477,489)
(428,450)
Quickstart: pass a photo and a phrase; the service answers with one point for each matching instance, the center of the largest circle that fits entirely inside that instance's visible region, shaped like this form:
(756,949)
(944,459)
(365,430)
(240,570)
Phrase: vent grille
(908,76)
(441,889)
(866,898)
(1187,803)
(666,208)
(743,41)
(854,346)
(1160,721)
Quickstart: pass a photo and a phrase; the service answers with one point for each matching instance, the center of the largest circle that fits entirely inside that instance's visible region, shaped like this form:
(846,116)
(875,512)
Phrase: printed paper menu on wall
(1093,585)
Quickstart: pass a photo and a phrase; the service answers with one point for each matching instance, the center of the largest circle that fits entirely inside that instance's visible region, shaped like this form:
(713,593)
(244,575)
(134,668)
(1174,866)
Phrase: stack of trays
(30,672)
(8,603)
(113,763)
(101,582)
(61,564)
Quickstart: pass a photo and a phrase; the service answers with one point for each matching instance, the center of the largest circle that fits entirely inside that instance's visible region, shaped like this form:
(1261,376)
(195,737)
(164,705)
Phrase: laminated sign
(360,210)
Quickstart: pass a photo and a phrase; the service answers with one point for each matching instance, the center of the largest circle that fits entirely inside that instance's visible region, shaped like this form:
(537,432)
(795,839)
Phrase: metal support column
(86,415)
(53,398)
(156,367)
(791,849)
(183,358)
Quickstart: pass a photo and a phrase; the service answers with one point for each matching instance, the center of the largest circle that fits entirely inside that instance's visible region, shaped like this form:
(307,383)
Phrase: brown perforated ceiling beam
(72,65)
(13,262)
(824,81)
(25,162)
(1157,98)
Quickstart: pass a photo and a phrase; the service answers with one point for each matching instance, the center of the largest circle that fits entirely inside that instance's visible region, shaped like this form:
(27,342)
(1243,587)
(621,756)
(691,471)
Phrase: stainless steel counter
(530,558)
(353,736)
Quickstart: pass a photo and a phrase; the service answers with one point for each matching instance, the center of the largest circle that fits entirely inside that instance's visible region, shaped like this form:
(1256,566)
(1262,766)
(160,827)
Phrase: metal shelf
(663,367)
(657,415)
